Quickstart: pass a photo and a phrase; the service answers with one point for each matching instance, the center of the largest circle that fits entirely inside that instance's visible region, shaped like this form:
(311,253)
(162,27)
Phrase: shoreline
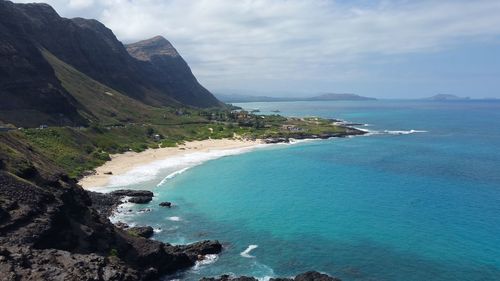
(121,164)
(129,168)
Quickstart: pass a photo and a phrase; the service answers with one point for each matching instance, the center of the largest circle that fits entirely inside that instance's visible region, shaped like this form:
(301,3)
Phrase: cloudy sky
(386,48)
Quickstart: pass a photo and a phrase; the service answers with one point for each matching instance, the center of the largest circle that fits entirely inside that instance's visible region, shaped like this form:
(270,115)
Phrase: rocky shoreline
(51,231)
(307,276)
(107,203)
(350,131)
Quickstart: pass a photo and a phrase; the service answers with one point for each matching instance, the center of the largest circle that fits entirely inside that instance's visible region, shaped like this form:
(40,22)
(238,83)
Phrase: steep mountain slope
(32,94)
(170,71)
(99,102)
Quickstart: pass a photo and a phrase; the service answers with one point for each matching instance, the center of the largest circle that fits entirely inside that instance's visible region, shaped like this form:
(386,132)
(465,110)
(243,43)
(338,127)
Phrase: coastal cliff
(30,87)
(51,231)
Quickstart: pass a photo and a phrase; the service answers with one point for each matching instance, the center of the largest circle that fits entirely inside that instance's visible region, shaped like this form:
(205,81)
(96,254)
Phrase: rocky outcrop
(314,276)
(197,250)
(51,232)
(142,231)
(302,135)
(106,203)
(307,276)
(140,199)
(165,204)
(132,193)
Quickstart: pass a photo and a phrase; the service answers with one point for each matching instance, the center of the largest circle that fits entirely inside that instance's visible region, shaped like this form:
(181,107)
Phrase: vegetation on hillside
(80,149)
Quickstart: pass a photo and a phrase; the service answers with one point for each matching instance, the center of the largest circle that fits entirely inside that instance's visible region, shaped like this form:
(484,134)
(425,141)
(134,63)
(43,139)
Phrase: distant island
(231,98)
(446,97)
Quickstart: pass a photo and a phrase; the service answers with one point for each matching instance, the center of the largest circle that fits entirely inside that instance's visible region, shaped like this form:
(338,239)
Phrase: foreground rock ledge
(307,276)
(49,230)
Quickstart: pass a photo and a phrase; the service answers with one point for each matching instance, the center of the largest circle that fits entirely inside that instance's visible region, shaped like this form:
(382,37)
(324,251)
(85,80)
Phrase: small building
(291,128)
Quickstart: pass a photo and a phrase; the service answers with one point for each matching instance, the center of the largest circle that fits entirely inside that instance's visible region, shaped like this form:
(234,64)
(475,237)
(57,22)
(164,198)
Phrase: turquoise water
(421,206)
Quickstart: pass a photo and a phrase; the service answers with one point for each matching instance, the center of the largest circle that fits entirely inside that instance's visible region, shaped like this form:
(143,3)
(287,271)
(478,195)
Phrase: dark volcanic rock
(195,250)
(105,204)
(314,276)
(276,140)
(165,204)
(140,199)
(121,225)
(51,232)
(229,278)
(132,193)
(142,231)
(308,276)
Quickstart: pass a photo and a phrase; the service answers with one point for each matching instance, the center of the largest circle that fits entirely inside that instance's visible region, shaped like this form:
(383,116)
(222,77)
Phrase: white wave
(246,253)
(207,259)
(157,230)
(173,175)
(297,141)
(403,132)
(174,219)
(390,132)
(368,132)
(177,163)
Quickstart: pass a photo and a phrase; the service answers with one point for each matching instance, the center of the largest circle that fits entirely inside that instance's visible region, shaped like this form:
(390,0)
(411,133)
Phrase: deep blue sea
(395,207)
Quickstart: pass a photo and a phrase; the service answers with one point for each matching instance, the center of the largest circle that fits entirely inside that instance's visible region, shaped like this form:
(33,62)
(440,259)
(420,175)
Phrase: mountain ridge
(322,97)
(33,94)
(446,97)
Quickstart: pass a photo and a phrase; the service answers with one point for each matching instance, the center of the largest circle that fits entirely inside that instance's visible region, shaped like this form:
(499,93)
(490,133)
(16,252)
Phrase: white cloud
(80,4)
(234,43)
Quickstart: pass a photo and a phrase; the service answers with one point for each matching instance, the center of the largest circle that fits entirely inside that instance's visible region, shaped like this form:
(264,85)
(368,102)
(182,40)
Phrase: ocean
(416,199)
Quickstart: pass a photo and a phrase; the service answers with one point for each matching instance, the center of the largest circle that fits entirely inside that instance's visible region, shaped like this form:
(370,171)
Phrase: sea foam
(177,164)
(404,132)
(390,132)
(207,259)
(247,251)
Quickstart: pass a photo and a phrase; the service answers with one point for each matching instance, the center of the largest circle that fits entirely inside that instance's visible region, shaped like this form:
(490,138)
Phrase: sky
(385,48)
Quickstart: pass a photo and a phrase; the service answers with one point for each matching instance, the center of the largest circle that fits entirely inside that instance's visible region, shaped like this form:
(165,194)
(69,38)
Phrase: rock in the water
(140,199)
(106,203)
(121,225)
(314,276)
(229,278)
(142,231)
(201,249)
(308,276)
(132,193)
(166,204)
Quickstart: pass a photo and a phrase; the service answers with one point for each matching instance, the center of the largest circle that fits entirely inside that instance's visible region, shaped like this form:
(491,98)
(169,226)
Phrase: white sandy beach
(122,164)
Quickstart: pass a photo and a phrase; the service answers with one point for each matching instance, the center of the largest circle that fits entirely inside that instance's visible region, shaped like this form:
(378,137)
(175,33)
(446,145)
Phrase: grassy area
(76,150)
